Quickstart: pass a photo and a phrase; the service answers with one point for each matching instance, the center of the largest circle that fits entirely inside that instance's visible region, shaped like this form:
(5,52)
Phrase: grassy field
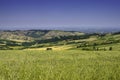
(59,65)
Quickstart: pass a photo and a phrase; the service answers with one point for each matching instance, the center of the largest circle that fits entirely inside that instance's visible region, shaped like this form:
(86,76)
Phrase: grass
(59,65)
(58,48)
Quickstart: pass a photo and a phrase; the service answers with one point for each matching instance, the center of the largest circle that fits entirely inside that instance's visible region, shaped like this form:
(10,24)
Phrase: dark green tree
(110,48)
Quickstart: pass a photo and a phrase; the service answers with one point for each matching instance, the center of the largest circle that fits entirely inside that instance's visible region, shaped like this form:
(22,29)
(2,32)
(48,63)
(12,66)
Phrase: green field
(59,65)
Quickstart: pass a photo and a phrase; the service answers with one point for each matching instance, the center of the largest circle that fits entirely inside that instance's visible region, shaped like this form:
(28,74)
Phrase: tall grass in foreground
(59,65)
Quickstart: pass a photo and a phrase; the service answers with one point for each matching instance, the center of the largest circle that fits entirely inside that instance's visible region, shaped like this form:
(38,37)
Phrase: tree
(110,48)
(97,48)
(94,48)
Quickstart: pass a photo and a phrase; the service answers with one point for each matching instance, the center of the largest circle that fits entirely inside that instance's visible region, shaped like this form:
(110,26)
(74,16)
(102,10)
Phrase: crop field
(59,65)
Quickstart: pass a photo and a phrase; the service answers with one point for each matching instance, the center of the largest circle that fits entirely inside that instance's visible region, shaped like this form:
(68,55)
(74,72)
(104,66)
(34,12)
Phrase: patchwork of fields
(59,65)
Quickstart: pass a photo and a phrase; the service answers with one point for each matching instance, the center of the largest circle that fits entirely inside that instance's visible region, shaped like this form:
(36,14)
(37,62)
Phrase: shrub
(48,48)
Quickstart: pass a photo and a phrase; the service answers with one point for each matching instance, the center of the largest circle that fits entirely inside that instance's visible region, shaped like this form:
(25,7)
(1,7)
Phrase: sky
(45,14)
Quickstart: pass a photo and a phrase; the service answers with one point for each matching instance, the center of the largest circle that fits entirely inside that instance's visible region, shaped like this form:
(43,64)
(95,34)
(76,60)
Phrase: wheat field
(59,65)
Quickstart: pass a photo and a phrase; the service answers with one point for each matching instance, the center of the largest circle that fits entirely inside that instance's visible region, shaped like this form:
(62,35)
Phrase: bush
(48,48)
(110,48)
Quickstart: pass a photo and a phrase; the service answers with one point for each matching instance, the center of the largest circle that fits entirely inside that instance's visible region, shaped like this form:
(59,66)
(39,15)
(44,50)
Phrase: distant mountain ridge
(85,29)
(30,35)
(91,29)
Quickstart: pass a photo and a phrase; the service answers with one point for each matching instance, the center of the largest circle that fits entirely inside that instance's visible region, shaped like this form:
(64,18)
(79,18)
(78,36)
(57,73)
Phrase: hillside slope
(30,35)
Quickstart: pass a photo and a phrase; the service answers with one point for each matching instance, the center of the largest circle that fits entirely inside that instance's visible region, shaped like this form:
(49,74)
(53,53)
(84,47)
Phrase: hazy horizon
(59,14)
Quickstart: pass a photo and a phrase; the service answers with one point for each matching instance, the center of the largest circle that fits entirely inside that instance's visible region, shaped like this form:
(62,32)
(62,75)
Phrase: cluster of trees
(94,47)
(115,33)
(97,48)
(61,38)
(5,48)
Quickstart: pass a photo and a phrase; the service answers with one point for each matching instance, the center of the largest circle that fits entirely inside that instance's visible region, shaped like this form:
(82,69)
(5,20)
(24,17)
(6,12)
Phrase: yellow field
(53,48)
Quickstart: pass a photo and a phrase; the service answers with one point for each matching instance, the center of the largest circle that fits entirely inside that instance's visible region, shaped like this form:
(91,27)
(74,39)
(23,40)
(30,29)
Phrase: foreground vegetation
(59,65)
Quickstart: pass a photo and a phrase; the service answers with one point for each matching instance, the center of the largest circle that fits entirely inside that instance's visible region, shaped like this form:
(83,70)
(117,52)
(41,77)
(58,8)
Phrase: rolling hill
(56,39)
(30,35)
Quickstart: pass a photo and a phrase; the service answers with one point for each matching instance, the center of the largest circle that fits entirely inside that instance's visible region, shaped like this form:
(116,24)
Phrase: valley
(58,40)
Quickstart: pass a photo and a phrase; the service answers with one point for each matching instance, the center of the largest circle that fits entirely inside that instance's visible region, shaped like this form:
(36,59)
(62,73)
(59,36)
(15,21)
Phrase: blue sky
(39,14)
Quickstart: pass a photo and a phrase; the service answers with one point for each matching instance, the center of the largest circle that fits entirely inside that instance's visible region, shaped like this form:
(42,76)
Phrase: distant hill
(31,39)
(91,29)
(30,35)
